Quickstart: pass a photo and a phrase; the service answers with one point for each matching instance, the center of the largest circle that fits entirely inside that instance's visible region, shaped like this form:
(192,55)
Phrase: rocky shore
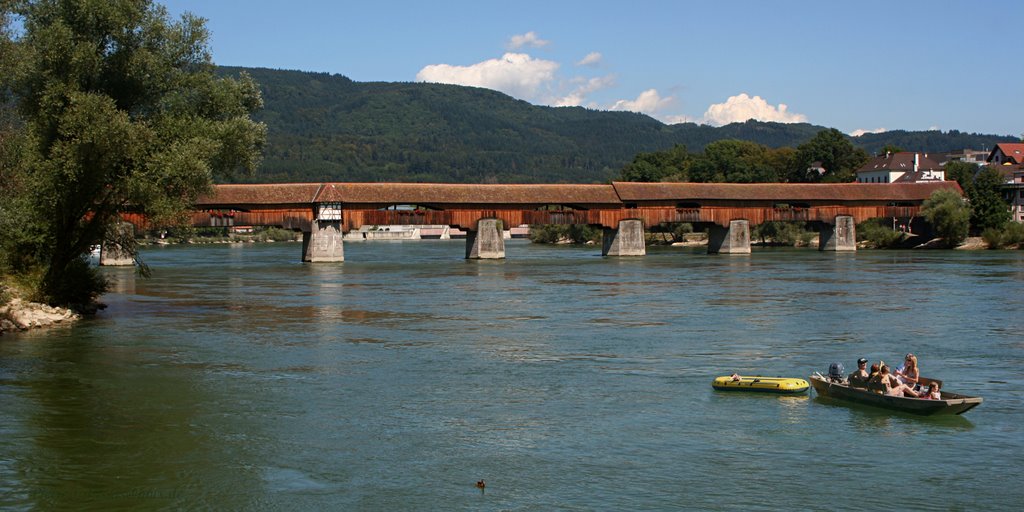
(19,315)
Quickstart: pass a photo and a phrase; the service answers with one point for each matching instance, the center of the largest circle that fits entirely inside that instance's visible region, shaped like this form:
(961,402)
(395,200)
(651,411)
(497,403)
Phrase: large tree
(983,188)
(949,216)
(734,161)
(836,153)
(122,113)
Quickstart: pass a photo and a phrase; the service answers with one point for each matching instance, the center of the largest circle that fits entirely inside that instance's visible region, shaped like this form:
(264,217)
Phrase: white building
(903,167)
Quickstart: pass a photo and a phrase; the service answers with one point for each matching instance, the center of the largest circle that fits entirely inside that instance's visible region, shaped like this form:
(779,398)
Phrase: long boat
(951,403)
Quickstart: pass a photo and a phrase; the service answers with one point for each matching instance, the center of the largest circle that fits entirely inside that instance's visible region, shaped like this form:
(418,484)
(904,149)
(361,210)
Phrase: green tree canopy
(983,188)
(835,152)
(671,165)
(734,161)
(122,112)
(949,216)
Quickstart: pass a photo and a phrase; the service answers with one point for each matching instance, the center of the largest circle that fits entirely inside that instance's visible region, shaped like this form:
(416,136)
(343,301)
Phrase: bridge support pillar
(324,243)
(842,236)
(732,240)
(486,243)
(112,254)
(628,240)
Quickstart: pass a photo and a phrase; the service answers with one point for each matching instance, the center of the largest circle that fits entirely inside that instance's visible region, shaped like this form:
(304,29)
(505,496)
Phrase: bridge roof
(631,192)
(447,193)
(275,193)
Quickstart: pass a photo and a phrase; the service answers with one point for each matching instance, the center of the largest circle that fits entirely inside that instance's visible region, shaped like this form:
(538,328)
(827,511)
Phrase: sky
(858,66)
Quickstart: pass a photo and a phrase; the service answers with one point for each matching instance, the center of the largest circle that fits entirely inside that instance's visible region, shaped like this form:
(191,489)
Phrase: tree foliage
(122,112)
(836,153)
(949,216)
(983,188)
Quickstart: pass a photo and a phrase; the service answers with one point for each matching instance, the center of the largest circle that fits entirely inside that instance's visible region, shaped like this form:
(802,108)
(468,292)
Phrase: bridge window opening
(558,208)
(688,206)
(791,206)
(630,206)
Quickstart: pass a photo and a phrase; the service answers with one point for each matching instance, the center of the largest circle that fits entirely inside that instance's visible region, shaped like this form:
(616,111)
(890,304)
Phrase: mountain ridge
(327,127)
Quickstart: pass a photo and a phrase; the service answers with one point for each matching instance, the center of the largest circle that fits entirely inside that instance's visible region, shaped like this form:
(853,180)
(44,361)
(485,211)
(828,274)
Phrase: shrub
(553,233)
(877,234)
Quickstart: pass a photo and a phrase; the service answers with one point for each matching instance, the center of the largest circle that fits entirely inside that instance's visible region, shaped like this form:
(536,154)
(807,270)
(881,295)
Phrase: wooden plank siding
(292,206)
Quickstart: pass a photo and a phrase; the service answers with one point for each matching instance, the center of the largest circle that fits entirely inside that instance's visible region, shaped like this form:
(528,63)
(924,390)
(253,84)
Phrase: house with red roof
(1011,153)
(902,167)
(1008,157)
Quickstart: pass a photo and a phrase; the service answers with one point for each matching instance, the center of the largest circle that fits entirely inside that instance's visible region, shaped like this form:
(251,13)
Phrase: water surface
(239,378)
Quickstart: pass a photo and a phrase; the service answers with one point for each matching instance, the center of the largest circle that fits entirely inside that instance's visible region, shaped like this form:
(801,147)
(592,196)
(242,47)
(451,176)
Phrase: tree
(983,188)
(122,113)
(890,148)
(671,165)
(949,216)
(988,209)
(734,161)
(835,152)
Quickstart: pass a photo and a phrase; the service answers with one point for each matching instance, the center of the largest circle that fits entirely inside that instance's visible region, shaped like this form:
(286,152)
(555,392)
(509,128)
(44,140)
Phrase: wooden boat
(951,403)
(761,384)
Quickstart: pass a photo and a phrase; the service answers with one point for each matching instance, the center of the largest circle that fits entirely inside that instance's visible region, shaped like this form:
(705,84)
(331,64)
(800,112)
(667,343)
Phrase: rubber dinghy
(781,385)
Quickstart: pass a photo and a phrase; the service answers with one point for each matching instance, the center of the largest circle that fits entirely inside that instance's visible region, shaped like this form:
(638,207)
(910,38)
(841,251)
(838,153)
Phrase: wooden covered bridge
(325,211)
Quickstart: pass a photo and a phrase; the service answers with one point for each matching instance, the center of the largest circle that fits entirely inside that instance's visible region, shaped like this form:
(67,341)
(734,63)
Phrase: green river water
(238,378)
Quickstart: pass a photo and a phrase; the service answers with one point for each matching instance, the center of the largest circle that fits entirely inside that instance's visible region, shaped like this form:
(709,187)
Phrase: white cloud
(648,102)
(528,39)
(516,74)
(858,133)
(592,59)
(742,107)
(584,87)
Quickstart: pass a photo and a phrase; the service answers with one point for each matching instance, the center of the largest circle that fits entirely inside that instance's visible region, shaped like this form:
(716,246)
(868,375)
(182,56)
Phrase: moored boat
(760,384)
(950,403)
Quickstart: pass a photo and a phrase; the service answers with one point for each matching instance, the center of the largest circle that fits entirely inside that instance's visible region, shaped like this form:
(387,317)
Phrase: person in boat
(893,387)
(934,393)
(859,378)
(909,374)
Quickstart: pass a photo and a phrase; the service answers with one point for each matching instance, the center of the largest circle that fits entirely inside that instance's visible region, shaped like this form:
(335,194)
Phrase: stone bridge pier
(839,237)
(486,242)
(734,239)
(323,242)
(627,240)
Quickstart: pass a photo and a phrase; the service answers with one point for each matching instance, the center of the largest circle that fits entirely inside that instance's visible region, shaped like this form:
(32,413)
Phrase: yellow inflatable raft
(761,384)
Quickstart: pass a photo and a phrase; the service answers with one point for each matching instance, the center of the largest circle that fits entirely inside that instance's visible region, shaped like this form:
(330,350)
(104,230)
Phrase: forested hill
(324,127)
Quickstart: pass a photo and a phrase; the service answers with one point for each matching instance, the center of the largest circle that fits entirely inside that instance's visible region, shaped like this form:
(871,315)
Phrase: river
(238,378)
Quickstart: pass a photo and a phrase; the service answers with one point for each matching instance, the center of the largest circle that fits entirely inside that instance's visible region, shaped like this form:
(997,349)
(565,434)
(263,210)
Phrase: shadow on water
(868,417)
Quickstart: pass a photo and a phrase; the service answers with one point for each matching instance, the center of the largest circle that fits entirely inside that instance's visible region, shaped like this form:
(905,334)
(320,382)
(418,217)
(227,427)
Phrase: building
(971,156)
(1007,153)
(902,167)
(1009,158)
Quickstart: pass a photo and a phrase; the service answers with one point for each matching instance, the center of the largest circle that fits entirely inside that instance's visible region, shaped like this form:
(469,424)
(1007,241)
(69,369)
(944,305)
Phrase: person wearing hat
(859,378)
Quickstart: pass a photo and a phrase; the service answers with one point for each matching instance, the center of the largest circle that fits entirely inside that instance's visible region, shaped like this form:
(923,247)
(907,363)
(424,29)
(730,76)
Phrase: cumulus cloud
(743,107)
(858,133)
(583,87)
(528,39)
(516,74)
(648,102)
(592,59)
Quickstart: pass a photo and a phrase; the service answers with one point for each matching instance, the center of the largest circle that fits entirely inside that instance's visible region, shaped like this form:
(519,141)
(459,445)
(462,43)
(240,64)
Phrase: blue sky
(856,66)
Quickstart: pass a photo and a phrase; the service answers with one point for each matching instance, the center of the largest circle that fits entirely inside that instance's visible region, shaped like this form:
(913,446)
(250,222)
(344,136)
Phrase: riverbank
(20,315)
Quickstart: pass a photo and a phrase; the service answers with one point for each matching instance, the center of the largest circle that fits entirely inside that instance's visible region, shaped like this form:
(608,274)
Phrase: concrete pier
(628,240)
(113,255)
(324,243)
(732,240)
(842,236)
(486,243)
